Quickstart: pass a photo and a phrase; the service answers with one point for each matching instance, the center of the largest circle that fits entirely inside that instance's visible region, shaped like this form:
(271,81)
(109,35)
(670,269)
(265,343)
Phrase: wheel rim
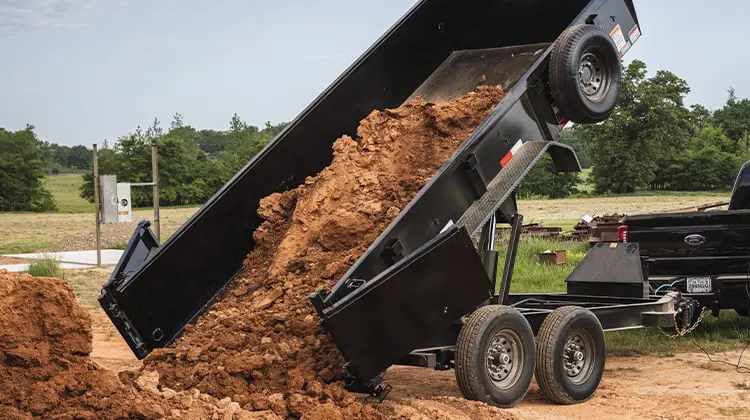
(578,356)
(593,76)
(505,357)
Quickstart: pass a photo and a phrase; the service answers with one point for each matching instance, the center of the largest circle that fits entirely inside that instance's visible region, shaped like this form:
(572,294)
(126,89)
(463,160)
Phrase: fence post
(97,202)
(155,177)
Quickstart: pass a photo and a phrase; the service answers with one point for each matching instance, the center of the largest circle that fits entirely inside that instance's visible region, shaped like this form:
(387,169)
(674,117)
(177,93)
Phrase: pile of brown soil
(45,369)
(261,344)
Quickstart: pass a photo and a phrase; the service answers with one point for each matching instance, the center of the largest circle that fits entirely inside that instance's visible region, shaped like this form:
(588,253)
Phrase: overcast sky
(85,70)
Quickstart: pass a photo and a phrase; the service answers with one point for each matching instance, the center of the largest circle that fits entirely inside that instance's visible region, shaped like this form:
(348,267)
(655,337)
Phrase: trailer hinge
(473,176)
(317,300)
(393,252)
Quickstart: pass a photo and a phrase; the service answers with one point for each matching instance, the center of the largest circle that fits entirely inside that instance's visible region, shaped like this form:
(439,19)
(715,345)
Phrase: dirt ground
(9,260)
(575,208)
(686,386)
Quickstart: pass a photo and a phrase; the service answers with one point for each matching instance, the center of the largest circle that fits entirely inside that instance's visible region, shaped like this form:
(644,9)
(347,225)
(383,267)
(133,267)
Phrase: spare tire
(585,74)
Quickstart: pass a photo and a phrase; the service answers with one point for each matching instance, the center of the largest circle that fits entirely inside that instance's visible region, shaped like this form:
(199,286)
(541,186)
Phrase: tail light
(622,233)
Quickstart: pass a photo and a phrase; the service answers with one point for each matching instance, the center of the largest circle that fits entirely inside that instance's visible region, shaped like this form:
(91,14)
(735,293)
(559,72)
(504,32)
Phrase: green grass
(23,247)
(529,275)
(727,332)
(46,267)
(65,190)
(584,186)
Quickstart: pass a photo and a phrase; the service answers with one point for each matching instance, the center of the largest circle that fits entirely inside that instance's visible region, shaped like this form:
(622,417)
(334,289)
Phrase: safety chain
(688,330)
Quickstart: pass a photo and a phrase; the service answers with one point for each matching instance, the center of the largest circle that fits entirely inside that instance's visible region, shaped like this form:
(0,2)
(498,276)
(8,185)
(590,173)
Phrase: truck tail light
(622,233)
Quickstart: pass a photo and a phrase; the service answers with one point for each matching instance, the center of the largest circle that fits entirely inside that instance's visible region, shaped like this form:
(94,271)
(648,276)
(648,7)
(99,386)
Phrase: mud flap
(406,306)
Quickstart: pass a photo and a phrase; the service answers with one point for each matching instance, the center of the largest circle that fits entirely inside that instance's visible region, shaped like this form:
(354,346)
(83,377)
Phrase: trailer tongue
(406,299)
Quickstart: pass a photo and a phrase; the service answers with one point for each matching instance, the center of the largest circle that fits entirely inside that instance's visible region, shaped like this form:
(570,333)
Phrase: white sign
(124,206)
(108,191)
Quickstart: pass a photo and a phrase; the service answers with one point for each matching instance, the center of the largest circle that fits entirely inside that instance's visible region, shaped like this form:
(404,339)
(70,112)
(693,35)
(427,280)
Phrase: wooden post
(97,202)
(155,177)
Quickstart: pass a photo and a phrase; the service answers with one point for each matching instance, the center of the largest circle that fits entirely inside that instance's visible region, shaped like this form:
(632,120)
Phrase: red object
(508,156)
(506,159)
(622,233)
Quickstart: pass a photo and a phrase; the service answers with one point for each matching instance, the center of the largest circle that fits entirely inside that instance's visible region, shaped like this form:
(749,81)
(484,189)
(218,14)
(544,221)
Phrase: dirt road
(686,386)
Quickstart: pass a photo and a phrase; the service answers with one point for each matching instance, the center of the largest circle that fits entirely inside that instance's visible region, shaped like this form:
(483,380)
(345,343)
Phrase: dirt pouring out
(258,352)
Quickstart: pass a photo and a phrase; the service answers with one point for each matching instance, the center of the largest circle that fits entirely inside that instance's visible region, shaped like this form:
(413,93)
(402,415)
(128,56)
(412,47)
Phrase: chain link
(688,330)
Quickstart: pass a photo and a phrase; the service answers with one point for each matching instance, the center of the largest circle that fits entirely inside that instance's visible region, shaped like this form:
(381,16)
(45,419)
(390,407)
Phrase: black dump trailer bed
(424,292)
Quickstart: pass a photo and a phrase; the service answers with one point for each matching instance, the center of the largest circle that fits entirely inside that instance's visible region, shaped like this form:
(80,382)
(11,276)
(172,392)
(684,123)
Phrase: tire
(585,74)
(567,374)
(494,359)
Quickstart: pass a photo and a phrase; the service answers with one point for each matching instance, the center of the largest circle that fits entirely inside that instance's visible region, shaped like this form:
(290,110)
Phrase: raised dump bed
(558,62)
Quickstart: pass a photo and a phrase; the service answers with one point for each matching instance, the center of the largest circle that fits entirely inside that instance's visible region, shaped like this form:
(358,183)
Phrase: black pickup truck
(706,255)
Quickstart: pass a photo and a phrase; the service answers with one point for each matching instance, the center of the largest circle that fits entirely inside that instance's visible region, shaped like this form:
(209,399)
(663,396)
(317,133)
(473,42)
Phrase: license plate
(699,284)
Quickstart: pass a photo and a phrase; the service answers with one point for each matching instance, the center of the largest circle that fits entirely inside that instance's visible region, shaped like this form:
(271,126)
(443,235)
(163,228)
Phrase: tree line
(652,141)
(193,164)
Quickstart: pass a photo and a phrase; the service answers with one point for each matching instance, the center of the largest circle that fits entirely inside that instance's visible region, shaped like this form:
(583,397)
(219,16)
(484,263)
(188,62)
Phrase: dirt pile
(45,369)
(261,345)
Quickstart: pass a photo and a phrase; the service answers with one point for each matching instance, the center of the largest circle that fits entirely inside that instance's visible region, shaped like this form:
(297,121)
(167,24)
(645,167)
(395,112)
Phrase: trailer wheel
(570,355)
(585,74)
(494,358)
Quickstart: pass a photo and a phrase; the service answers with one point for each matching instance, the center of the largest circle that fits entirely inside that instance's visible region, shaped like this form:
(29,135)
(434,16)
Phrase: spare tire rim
(578,356)
(505,359)
(592,76)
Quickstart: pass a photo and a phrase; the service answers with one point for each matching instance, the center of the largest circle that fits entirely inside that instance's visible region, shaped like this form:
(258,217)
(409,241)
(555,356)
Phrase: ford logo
(695,240)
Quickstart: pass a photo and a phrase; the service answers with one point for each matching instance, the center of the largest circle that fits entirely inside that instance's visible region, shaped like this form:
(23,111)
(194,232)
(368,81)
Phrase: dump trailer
(426,292)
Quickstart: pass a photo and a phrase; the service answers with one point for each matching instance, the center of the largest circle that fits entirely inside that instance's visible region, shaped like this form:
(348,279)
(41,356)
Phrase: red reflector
(506,159)
(513,150)
(622,233)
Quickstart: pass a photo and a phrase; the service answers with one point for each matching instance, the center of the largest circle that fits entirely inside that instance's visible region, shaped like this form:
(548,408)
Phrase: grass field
(65,190)
(727,332)
(30,232)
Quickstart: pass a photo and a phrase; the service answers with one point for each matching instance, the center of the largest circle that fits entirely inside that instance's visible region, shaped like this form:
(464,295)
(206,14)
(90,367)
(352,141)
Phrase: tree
(699,115)
(80,157)
(187,175)
(22,168)
(649,126)
(176,121)
(578,144)
(544,180)
(734,117)
(245,141)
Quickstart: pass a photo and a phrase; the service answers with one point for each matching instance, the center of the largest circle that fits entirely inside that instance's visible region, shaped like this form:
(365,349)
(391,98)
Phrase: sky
(82,71)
